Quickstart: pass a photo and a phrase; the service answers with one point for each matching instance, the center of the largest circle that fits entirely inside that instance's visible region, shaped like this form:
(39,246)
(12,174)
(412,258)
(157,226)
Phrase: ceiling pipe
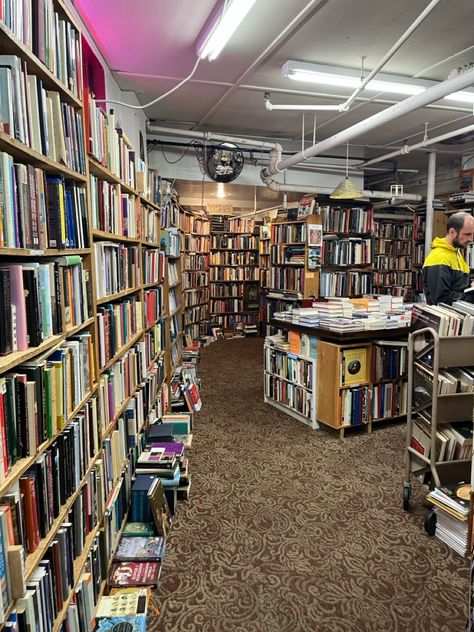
(270,106)
(424,14)
(406,149)
(273,185)
(207,136)
(406,106)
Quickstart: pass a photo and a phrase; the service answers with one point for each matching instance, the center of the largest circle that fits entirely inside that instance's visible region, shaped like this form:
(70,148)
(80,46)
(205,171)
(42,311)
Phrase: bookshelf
(233,272)
(348,250)
(86,352)
(195,276)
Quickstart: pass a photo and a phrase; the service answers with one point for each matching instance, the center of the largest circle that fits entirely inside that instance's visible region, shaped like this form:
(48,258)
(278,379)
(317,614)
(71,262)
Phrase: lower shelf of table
(312,423)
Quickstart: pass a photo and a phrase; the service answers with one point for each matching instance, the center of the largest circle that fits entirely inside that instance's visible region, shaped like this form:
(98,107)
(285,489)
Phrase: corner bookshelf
(195,276)
(233,271)
(348,250)
(83,349)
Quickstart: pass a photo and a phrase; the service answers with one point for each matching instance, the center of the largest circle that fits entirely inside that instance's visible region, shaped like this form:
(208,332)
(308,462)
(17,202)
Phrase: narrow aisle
(291,530)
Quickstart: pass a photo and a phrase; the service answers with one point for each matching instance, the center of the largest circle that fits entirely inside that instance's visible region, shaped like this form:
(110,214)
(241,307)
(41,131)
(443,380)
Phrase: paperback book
(140,549)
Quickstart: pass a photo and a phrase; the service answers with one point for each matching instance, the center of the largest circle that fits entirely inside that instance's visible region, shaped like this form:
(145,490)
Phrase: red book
(3,435)
(134,574)
(27,488)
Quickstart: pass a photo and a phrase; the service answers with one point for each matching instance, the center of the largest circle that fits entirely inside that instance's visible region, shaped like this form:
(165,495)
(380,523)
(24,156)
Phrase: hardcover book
(123,624)
(123,574)
(124,602)
(140,549)
(354,366)
(138,529)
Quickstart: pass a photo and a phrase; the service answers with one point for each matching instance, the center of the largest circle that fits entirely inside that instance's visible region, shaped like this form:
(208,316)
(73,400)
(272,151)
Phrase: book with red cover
(27,488)
(134,574)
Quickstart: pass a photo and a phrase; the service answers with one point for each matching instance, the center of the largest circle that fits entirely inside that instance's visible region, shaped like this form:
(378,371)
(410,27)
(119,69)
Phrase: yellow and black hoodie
(445,273)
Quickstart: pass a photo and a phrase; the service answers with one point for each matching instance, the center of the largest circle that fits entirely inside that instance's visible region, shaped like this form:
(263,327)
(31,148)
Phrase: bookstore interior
(188,222)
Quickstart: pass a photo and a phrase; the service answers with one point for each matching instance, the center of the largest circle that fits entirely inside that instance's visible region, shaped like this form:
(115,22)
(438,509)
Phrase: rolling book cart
(428,353)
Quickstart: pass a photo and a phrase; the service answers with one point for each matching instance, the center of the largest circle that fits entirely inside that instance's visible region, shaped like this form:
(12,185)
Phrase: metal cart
(427,349)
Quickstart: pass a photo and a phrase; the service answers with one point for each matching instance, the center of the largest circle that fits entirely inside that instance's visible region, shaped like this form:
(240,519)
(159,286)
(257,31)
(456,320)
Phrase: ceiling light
(220,27)
(349,78)
(346,189)
(220,190)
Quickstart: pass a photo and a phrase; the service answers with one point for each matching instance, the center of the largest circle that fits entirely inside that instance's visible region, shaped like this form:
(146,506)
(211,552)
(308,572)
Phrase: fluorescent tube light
(221,27)
(349,78)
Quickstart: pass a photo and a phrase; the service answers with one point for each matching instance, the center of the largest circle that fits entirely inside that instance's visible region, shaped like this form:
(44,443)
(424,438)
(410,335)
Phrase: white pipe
(406,149)
(430,193)
(273,185)
(424,14)
(270,106)
(406,106)
(156,129)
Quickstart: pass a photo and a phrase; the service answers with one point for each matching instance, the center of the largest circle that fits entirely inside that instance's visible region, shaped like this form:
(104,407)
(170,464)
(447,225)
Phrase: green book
(139,529)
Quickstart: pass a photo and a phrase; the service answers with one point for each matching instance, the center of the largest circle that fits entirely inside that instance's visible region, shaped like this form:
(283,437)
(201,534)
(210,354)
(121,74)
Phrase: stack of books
(124,608)
(452,511)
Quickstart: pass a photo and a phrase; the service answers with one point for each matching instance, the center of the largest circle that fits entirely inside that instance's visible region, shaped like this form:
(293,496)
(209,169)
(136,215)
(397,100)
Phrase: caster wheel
(430,523)
(406,497)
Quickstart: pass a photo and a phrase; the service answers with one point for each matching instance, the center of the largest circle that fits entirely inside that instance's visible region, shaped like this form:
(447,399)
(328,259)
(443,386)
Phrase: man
(445,272)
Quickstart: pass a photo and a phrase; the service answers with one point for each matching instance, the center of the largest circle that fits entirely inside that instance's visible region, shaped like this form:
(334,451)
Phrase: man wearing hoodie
(445,272)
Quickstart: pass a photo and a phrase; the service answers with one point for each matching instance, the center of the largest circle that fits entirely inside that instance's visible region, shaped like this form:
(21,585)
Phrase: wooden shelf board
(148,286)
(102,234)
(48,252)
(148,202)
(114,297)
(22,152)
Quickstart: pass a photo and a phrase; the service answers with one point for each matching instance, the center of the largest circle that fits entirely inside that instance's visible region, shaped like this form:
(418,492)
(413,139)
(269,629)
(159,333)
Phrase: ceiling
(227,95)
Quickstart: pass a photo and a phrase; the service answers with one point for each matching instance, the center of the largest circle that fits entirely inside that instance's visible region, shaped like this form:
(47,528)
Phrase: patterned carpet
(291,530)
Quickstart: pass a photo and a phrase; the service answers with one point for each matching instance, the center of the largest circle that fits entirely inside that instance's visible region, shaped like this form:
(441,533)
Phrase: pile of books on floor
(452,512)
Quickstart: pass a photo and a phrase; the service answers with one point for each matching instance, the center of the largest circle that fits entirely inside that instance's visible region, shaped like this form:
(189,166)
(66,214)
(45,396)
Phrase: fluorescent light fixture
(221,25)
(349,78)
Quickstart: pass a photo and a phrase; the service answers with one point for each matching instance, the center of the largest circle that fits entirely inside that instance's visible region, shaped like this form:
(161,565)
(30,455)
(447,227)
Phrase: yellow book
(354,366)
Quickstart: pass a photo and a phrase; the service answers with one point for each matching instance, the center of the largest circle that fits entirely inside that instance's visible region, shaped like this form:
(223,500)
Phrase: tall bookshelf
(394,248)
(195,277)
(234,272)
(347,251)
(84,351)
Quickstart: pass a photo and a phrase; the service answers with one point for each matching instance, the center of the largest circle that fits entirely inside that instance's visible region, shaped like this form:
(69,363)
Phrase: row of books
(149,183)
(192,224)
(191,280)
(287,279)
(350,283)
(195,243)
(234,242)
(196,314)
(453,441)
(52,39)
(389,262)
(226,306)
(117,268)
(40,300)
(447,320)
(153,266)
(39,210)
(117,324)
(234,258)
(294,369)
(288,233)
(346,252)
(355,406)
(196,297)
(220,223)
(223,291)
(283,254)
(391,232)
(295,397)
(173,274)
(384,279)
(393,247)
(195,261)
(389,400)
(354,220)
(113,211)
(150,221)
(38,117)
(107,143)
(233,274)
(172,242)
(230,321)
(154,305)
(419,255)
(389,360)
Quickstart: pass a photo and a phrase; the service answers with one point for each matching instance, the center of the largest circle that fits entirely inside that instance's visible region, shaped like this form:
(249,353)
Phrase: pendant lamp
(346,189)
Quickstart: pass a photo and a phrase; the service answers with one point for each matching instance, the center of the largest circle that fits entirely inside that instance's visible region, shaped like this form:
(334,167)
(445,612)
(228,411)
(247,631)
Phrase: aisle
(291,530)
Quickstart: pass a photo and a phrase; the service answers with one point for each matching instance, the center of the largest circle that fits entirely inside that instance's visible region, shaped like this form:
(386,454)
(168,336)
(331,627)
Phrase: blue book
(137,623)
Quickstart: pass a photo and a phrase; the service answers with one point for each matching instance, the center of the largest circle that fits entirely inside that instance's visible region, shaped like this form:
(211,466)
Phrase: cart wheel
(430,522)
(406,496)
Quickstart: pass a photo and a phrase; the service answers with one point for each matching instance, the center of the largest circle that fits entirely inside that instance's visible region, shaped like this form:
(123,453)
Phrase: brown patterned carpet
(290,530)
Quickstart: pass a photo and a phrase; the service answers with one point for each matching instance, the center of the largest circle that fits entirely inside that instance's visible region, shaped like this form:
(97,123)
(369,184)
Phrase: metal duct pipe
(273,185)
(156,129)
(406,149)
(430,193)
(415,102)
(424,14)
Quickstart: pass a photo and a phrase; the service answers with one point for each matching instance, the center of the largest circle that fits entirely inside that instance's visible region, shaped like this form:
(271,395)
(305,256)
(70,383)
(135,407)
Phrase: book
(136,623)
(123,574)
(354,366)
(140,549)
(125,602)
(159,508)
(138,529)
